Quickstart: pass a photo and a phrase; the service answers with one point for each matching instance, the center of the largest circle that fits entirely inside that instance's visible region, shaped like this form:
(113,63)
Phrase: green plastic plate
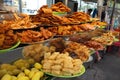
(76,75)
(6,50)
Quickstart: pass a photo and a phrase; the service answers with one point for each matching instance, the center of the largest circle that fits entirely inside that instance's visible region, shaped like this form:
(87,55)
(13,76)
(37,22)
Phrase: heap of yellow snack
(61,64)
(14,73)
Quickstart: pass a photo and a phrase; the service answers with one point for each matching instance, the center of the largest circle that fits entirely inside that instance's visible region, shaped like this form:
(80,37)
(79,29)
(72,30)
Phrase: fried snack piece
(60,7)
(78,49)
(61,64)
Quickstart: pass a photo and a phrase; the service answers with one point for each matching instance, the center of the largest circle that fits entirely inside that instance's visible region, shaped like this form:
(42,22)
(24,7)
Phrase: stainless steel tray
(11,56)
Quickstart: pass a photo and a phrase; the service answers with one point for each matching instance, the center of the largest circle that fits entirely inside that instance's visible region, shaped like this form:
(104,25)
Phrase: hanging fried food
(60,7)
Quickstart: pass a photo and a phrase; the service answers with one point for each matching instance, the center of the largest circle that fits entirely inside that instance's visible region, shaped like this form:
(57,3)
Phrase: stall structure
(51,44)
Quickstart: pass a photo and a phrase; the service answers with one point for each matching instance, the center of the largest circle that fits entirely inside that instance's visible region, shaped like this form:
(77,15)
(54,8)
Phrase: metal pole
(80,4)
(20,6)
(112,16)
(66,2)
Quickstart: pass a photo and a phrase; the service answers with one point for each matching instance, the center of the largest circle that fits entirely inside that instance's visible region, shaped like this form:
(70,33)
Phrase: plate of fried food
(21,21)
(12,47)
(62,65)
(76,75)
(8,40)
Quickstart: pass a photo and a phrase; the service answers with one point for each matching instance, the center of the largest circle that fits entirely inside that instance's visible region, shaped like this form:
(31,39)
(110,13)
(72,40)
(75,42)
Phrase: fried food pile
(99,23)
(87,27)
(36,51)
(7,37)
(81,51)
(70,29)
(58,43)
(94,45)
(78,17)
(105,38)
(61,64)
(45,17)
(22,22)
(30,36)
(86,36)
(60,7)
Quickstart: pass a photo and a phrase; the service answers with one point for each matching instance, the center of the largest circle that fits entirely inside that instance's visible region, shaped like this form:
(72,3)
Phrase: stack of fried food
(45,17)
(70,29)
(94,45)
(7,37)
(105,38)
(30,36)
(60,7)
(99,23)
(78,17)
(94,39)
(61,64)
(22,22)
(81,51)
(87,27)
